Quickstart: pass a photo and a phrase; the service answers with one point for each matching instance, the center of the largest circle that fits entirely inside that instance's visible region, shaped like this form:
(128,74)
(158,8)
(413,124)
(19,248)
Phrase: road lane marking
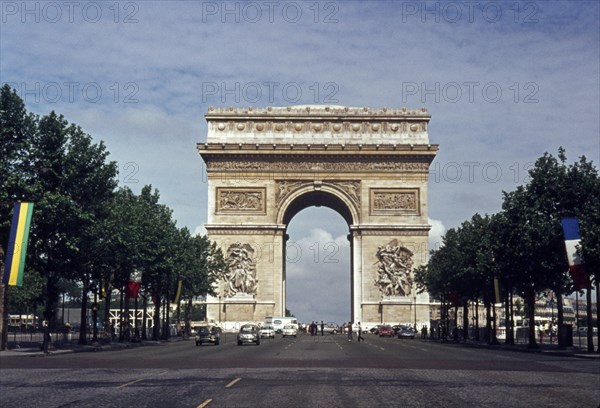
(205,403)
(129,383)
(232,383)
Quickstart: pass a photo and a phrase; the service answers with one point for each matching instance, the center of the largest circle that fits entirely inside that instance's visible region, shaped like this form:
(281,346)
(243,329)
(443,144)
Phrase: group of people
(313,328)
(359,332)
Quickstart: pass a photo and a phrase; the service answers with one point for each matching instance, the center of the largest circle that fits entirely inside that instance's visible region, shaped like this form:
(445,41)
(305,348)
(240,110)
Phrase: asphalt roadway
(305,371)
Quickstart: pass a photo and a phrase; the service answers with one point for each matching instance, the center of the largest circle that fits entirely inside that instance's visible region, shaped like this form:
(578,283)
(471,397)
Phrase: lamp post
(415,300)
(220,325)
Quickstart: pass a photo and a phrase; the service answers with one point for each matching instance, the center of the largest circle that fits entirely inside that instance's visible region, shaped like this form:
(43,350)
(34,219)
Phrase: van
(279,322)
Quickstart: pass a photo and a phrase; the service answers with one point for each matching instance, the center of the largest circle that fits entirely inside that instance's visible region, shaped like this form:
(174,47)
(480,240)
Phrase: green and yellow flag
(17,244)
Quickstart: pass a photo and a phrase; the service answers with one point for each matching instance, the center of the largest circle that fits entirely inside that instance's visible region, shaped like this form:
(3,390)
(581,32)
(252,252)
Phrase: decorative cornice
(245,229)
(391,230)
(316,124)
(312,111)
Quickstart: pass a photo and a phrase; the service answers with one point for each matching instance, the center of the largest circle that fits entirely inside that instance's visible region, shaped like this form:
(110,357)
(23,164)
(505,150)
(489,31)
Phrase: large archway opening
(318,266)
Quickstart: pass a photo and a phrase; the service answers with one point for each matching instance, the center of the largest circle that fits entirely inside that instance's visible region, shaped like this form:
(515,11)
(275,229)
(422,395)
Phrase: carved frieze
(394,268)
(240,274)
(333,165)
(285,188)
(350,187)
(240,200)
(394,201)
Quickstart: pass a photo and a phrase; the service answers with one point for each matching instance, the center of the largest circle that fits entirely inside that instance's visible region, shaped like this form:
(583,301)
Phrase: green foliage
(86,234)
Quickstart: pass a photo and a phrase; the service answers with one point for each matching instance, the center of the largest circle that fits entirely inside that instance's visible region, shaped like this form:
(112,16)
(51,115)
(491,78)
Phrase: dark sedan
(249,333)
(206,334)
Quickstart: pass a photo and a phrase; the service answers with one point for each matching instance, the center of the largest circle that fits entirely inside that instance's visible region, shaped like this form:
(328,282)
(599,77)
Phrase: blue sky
(504,83)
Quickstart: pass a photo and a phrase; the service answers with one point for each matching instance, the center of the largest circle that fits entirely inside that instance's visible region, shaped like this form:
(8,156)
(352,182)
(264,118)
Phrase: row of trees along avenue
(85,232)
(522,246)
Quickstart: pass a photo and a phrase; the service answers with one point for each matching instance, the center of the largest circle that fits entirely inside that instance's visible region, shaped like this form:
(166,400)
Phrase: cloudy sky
(504,83)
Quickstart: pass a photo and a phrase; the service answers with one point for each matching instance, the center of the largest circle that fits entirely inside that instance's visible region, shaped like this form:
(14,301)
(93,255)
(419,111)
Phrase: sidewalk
(32,350)
(523,348)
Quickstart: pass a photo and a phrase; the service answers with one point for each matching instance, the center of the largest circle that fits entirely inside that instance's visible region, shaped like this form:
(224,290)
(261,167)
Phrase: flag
(576,266)
(178,292)
(133,286)
(17,244)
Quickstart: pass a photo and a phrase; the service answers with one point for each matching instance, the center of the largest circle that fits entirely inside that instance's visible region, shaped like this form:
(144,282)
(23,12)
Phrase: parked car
(406,332)
(207,334)
(289,330)
(249,333)
(375,329)
(267,331)
(386,331)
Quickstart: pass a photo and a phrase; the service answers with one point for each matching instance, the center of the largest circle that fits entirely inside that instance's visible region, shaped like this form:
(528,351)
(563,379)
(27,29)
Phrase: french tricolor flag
(576,266)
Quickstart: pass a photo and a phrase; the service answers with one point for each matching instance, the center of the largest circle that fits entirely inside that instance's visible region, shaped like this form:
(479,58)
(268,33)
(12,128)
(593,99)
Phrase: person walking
(46,341)
(360,337)
(349,331)
(322,328)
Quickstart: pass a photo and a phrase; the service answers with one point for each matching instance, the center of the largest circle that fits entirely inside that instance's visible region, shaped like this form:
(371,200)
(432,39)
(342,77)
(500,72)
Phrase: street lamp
(220,325)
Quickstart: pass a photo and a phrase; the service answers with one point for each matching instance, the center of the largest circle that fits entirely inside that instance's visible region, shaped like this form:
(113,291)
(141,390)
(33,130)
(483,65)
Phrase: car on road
(267,331)
(207,334)
(386,331)
(330,328)
(289,330)
(406,333)
(375,329)
(249,333)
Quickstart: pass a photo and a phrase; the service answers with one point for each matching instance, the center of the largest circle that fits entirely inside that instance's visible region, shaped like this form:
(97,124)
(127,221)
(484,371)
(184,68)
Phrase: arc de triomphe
(369,165)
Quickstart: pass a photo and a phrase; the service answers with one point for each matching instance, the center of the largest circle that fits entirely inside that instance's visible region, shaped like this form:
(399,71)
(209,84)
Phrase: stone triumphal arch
(370,165)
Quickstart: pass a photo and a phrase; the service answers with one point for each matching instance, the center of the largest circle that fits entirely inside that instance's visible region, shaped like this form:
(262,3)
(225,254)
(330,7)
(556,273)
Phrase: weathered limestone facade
(370,165)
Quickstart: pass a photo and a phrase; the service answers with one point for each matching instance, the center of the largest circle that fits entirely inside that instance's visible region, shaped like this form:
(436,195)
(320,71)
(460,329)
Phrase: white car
(267,331)
(289,330)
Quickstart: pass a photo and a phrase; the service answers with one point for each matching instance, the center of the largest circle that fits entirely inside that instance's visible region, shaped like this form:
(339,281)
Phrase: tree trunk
(107,309)
(488,322)
(51,301)
(121,325)
(83,320)
(3,312)
(560,319)
(477,319)
(156,328)
(530,299)
(144,314)
(508,329)
(465,320)
(127,322)
(167,323)
(598,307)
(188,315)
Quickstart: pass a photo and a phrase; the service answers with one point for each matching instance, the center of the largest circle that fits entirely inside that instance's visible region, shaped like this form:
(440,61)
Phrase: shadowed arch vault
(369,165)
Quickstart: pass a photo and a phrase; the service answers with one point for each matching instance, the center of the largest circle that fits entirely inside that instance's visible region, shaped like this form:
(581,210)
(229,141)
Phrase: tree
(203,261)
(17,128)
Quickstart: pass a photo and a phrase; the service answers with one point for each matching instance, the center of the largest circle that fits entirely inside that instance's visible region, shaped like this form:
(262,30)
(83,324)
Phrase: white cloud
(436,233)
